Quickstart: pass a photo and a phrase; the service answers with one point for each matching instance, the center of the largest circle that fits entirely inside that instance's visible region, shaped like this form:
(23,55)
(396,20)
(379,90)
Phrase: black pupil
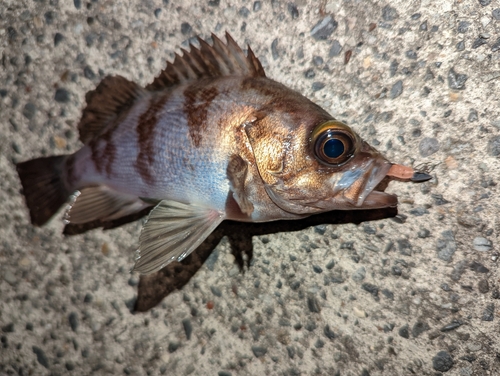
(333,148)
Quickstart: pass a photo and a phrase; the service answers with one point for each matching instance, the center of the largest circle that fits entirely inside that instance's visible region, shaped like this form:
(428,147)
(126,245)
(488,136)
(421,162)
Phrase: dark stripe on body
(103,157)
(197,100)
(145,138)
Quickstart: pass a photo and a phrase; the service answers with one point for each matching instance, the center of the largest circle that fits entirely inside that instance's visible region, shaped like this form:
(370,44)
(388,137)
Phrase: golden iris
(333,143)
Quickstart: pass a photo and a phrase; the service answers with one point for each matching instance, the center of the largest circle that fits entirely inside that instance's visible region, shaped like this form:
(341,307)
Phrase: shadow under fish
(155,287)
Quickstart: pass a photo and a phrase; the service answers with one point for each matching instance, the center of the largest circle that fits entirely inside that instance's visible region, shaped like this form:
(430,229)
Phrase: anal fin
(172,231)
(101,203)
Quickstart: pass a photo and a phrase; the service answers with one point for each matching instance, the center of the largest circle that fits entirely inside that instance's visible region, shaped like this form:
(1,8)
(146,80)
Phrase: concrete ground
(412,295)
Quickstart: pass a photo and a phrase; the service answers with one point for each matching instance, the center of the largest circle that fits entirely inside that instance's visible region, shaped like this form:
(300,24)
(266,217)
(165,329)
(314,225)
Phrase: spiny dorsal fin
(220,59)
(106,102)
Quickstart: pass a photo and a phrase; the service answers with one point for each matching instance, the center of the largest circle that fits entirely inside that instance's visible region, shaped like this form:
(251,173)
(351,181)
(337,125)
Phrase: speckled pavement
(412,295)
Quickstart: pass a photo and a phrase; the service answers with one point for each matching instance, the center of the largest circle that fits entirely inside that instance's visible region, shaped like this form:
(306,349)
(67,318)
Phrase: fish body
(179,143)
(212,138)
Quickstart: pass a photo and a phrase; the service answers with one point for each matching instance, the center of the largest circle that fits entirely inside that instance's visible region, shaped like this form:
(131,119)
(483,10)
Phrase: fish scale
(212,138)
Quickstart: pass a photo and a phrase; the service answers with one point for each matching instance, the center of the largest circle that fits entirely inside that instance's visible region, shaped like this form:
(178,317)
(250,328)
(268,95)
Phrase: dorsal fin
(220,59)
(106,102)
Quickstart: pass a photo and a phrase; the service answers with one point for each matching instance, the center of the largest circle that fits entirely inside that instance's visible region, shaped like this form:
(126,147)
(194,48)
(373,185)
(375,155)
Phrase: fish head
(319,166)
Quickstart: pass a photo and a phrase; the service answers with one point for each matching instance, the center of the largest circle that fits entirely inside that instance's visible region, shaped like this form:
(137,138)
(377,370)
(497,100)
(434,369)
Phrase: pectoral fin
(172,231)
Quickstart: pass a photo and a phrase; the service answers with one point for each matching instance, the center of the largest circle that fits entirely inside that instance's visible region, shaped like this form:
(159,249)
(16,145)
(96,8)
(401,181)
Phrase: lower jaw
(378,200)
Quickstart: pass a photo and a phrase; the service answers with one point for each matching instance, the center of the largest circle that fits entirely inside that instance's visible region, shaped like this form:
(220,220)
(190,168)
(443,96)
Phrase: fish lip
(370,196)
(378,200)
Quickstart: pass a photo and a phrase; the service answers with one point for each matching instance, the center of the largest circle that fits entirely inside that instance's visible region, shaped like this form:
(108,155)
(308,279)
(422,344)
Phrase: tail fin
(43,186)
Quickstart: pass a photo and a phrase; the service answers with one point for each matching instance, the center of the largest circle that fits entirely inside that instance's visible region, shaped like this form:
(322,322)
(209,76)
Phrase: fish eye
(333,144)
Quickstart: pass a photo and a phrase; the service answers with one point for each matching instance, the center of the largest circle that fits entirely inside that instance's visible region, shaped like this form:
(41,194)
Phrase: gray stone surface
(65,301)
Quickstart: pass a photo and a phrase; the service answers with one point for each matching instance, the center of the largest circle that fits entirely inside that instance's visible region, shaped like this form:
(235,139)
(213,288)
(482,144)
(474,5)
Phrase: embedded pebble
(463,26)
(58,38)
(483,286)
(62,95)
(292,9)
(274,49)
(186,28)
(458,270)
(419,328)
(359,313)
(451,326)
(389,13)
(313,304)
(316,86)
(442,362)
(335,49)
(446,246)
(396,90)
(188,328)
(428,146)
(41,357)
(244,12)
(9,328)
(489,313)
(404,331)
(9,277)
(29,110)
(456,81)
(259,351)
(474,346)
(359,274)
(324,28)
(494,146)
(74,322)
(70,366)
(371,288)
(482,244)
(479,42)
(473,116)
(329,332)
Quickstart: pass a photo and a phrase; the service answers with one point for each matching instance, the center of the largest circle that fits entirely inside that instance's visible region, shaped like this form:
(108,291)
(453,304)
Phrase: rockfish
(211,138)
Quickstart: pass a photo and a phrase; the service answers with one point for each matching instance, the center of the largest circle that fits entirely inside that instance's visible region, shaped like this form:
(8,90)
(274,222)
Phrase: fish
(212,138)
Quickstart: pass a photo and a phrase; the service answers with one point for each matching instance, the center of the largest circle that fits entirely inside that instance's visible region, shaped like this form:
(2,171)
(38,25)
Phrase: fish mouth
(380,177)
(371,195)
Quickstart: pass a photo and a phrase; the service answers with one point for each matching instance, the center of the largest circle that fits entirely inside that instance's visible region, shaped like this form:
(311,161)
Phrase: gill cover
(273,146)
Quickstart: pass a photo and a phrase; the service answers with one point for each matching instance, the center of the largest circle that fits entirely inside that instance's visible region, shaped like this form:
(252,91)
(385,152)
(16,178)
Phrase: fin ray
(172,231)
(113,96)
(101,203)
(43,187)
(216,60)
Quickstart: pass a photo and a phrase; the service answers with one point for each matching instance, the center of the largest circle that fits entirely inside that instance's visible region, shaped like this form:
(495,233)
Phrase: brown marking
(104,157)
(279,98)
(145,138)
(198,99)
(347,56)
(69,170)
